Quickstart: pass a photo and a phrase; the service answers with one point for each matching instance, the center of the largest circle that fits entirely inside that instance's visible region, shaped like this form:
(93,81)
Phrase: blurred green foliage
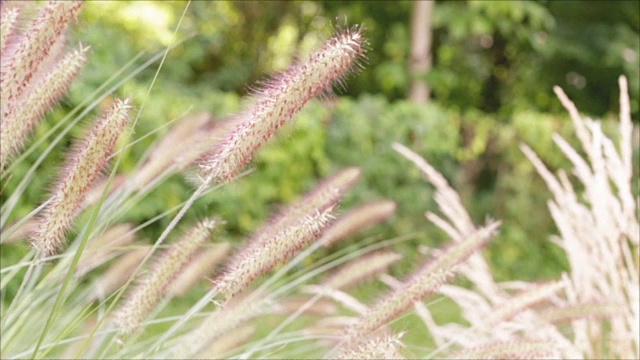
(494,65)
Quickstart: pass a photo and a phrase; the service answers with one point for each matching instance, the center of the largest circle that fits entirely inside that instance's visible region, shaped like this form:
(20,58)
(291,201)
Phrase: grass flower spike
(35,47)
(326,194)
(18,123)
(86,161)
(422,283)
(293,229)
(32,75)
(154,286)
(279,100)
(257,261)
(358,219)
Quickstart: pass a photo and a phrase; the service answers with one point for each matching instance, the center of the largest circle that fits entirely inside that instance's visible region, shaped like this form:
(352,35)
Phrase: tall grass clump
(89,285)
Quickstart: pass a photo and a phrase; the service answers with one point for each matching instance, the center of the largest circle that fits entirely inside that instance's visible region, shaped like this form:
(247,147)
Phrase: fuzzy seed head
(105,246)
(18,71)
(424,282)
(524,301)
(86,161)
(170,152)
(326,194)
(280,100)
(143,299)
(19,121)
(567,314)
(397,302)
(254,261)
(119,272)
(461,251)
(220,347)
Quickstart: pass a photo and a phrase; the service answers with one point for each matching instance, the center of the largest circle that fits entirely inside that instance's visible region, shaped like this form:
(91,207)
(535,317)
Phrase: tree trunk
(420,63)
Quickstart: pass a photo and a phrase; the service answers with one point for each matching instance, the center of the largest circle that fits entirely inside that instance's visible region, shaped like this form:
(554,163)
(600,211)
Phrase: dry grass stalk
(570,313)
(292,304)
(600,234)
(340,297)
(456,223)
(478,303)
(331,326)
(252,261)
(517,304)
(519,349)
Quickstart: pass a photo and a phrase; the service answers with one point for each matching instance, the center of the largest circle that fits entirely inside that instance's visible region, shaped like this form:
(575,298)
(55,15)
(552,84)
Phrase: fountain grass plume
(32,75)
(144,297)
(279,100)
(85,162)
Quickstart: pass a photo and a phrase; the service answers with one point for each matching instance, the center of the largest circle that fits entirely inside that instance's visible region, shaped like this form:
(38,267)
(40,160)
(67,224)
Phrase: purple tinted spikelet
(83,166)
(170,153)
(291,230)
(325,194)
(255,261)
(32,75)
(49,27)
(18,122)
(144,298)
(220,347)
(280,100)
